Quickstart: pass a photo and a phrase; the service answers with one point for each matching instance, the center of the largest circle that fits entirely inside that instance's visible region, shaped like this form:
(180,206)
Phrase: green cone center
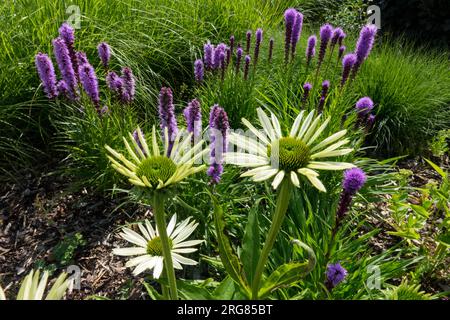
(154,247)
(156,169)
(289,153)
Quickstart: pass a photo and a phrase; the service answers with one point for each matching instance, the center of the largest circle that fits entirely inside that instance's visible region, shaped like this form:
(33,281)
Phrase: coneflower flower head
(198,70)
(296,31)
(128,84)
(247,66)
(364,106)
(47,74)
(289,20)
(219,126)
(347,64)
(65,65)
(208,50)
(335,275)
(248,37)
(81,58)
(193,116)
(311,48)
(326,32)
(104,53)
(364,45)
(167,115)
(90,83)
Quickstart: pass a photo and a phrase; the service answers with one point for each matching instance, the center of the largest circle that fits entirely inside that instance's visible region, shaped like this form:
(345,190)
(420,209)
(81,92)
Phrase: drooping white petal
(247,143)
(244,159)
(254,171)
(188,243)
(184,260)
(278,178)
(334,153)
(306,171)
(171,224)
(264,175)
(132,251)
(133,237)
(329,140)
(330,165)
(158,268)
(140,260)
(294,179)
(316,183)
(184,250)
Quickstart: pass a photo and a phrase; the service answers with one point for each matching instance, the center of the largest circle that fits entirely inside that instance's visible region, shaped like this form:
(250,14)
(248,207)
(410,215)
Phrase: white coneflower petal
(266,124)
(144,231)
(252,172)
(318,132)
(171,225)
(334,153)
(132,251)
(184,260)
(158,268)
(294,179)
(306,171)
(133,237)
(184,250)
(138,260)
(264,175)
(311,129)
(276,126)
(330,165)
(152,232)
(278,178)
(256,132)
(246,160)
(247,143)
(305,125)
(296,124)
(188,243)
(329,140)
(316,183)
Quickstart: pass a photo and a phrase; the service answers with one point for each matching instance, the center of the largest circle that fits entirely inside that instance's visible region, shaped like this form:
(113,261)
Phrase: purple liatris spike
(296,32)
(47,74)
(218,51)
(354,179)
(248,38)
(341,38)
(247,66)
(289,20)
(67,33)
(270,49)
(239,53)
(347,64)
(104,53)
(364,106)
(193,116)
(228,56)
(198,70)
(364,45)
(311,49)
(306,90)
(370,121)
(219,126)
(128,84)
(323,97)
(138,141)
(81,58)
(115,84)
(232,44)
(341,52)
(208,50)
(167,115)
(65,66)
(222,65)
(325,36)
(259,35)
(337,33)
(335,275)
(90,83)
(63,90)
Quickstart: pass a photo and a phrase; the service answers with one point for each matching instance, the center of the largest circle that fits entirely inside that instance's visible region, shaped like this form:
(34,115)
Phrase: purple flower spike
(259,35)
(311,49)
(104,52)
(218,51)
(341,52)
(219,126)
(289,20)
(115,84)
(326,32)
(353,181)
(323,97)
(239,53)
(306,90)
(198,70)
(81,58)
(90,83)
(247,66)
(347,64)
(248,37)
(370,121)
(138,141)
(208,50)
(296,32)
(364,106)
(228,56)
(270,49)
(232,44)
(128,84)
(222,65)
(335,275)
(364,46)
(65,66)
(63,90)
(167,115)
(193,116)
(341,38)
(47,74)
(67,33)
(337,33)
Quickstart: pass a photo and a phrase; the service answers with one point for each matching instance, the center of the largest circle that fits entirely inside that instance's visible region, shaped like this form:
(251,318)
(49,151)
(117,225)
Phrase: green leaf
(229,259)
(153,294)
(420,210)
(251,244)
(189,291)
(437,168)
(288,273)
(226,290)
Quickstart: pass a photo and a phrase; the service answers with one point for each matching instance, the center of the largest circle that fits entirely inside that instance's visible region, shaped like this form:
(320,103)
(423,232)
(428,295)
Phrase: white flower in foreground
(149,248)
(299,153)
(147,167)
(33,289)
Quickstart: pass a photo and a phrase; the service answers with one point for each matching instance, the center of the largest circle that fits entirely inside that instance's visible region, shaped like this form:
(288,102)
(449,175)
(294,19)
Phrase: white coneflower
(33,287)
(151,168)
(300,153)
(149,252)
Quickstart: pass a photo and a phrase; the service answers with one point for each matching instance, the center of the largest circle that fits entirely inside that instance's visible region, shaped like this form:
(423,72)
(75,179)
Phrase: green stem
(158,207)
(283,197)
(164,290)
